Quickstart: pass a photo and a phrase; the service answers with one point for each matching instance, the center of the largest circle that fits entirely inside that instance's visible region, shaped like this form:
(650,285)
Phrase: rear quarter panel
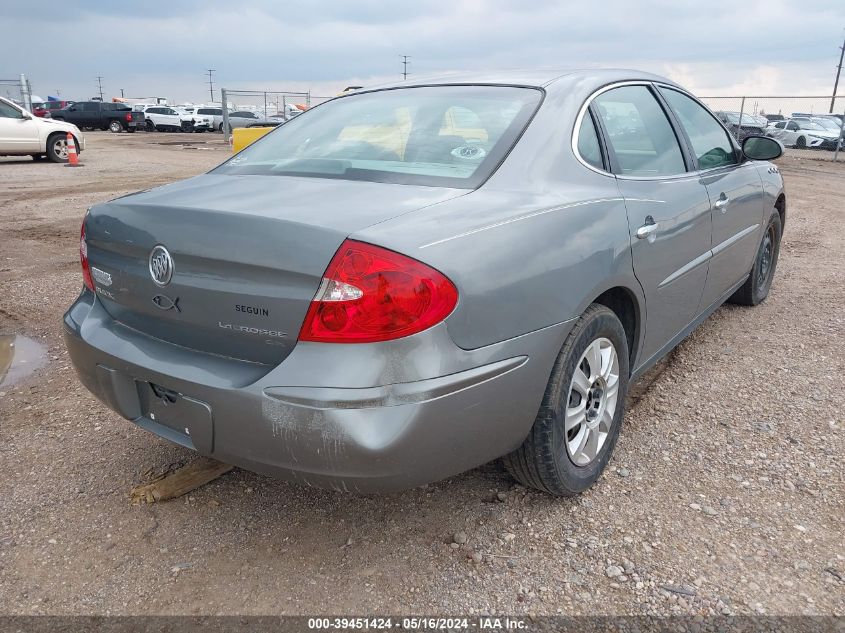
(530,248)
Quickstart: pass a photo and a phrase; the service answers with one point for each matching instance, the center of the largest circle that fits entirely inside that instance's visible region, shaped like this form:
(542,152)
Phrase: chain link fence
(265,104)
(804,124)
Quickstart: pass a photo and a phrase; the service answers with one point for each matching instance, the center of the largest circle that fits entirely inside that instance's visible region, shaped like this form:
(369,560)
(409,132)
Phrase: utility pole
(121,93)
(838,71)
(100,85)
(211,83)
(405,59)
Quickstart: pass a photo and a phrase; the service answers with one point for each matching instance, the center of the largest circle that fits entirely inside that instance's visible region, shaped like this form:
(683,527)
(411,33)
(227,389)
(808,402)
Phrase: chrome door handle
(722,203)
(647,230)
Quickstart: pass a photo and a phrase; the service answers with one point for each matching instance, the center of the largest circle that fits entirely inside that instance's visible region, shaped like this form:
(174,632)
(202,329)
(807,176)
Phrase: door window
(710,141)
(792,126)
(639,132)
(588,142)
(91,107)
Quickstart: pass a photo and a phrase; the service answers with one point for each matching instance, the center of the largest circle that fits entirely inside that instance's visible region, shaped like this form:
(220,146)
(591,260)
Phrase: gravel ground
(725,494)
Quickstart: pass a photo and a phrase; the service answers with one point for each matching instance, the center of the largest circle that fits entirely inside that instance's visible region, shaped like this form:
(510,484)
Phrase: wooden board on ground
(180,481)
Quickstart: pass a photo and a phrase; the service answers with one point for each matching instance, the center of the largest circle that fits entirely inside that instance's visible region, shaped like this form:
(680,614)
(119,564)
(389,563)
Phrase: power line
(405,63)
(211,82)
(100,85)
(838,72)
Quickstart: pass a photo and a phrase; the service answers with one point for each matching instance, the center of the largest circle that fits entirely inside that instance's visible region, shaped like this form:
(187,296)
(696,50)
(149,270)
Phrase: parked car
(44,109)
(348,305)
(102,115)
(803,133)
(23,134)
(829,123)
(244,118)
(774,117)
(191,121)
(751,123)
(163,118)
(216,115)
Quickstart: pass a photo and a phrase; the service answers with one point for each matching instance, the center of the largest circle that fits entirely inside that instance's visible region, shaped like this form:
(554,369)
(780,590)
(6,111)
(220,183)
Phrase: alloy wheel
(591,407)
(60,147)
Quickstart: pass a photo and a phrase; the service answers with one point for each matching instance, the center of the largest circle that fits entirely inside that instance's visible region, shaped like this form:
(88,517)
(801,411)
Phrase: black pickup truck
(101,115)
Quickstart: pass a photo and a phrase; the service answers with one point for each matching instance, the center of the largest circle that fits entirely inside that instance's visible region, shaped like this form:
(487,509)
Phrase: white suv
(194,121)
(23,134)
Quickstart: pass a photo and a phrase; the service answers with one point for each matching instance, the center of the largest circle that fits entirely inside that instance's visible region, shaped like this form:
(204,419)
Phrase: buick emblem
(161,266)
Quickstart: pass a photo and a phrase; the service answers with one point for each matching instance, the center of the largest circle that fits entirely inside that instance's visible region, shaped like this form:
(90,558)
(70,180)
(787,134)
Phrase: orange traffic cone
(72,158)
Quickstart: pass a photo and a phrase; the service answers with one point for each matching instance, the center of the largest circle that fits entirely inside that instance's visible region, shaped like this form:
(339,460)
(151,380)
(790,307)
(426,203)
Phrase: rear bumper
(363,418)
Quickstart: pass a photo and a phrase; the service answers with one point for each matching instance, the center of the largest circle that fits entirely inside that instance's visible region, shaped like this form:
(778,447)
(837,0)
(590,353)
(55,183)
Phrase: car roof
(537,78)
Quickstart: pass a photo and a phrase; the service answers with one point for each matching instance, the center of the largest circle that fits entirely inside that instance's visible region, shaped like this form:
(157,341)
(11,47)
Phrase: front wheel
(151,127)
(115,127)
(756,288)
(801,143)
(57,147)
(581,414)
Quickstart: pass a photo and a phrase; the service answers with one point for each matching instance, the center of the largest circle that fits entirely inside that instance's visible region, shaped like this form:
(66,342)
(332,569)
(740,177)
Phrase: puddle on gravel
(19,357)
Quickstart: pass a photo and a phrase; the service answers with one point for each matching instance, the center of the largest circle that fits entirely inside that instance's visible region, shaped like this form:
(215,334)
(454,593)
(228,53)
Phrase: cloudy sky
(163,48)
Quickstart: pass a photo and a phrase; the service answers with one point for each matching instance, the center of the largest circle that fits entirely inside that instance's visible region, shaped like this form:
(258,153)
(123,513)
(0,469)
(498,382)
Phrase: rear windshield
(452,136)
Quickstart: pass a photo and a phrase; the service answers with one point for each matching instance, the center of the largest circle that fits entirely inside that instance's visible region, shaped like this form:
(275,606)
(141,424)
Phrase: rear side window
(709,140)
(588,142)
(91,107)
(639,132)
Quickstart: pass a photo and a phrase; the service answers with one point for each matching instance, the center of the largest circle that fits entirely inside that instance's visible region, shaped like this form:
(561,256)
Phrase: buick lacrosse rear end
(407,282)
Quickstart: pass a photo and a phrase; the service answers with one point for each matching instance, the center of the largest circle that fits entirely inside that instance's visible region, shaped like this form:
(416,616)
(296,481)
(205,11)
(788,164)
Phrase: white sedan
(802,134)
(24,134)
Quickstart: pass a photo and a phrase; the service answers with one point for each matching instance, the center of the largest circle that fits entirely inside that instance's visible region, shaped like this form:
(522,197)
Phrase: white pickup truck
(24,134)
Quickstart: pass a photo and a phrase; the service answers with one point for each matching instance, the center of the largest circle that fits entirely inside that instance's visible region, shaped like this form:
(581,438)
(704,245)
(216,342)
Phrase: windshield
(809,125)
(747,119)
(452,136)
(828,124)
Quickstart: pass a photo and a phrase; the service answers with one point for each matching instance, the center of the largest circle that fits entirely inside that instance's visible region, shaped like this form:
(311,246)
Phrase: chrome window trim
(648,84)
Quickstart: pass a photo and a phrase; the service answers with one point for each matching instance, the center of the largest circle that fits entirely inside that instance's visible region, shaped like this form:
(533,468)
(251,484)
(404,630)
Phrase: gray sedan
(244,118)
(409,281)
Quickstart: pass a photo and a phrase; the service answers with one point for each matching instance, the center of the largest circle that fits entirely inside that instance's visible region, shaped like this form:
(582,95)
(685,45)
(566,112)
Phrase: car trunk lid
(248,254)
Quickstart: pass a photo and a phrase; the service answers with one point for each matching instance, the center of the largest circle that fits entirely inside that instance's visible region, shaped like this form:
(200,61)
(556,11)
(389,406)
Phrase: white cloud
(718,47)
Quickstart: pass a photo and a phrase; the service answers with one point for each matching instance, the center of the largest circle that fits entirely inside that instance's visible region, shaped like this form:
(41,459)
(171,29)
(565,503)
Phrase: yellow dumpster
(243,136)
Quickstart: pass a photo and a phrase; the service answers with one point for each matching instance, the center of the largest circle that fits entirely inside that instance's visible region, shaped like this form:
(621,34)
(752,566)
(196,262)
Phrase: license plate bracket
(178,412)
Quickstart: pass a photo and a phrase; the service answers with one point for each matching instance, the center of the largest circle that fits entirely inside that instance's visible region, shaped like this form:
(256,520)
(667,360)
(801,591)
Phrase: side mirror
(762,148)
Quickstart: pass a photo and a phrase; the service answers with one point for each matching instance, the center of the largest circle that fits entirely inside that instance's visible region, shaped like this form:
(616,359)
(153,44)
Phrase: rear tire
(550,458)
(115,127)
(756,288)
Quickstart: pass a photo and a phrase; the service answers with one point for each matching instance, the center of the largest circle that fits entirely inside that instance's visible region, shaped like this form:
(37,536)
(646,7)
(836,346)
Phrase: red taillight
(83,260)
(371,294)
(128,116)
